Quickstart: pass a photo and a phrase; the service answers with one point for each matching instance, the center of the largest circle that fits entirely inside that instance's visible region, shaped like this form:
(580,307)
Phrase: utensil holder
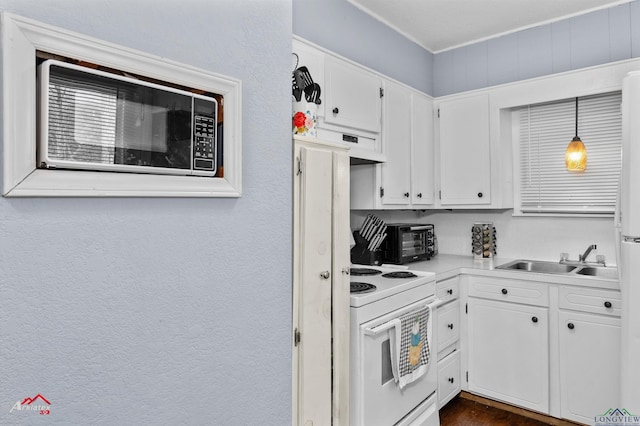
(483,240)
(360,253)
(305,118)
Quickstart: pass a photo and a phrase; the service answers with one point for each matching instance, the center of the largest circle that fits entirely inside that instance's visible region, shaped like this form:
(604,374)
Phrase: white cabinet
(422,151)
(589,349)
(448,378)
(352,96)
(465,151)
(508,352)
(447,329)
(396,145)
(320,283)
(406,179)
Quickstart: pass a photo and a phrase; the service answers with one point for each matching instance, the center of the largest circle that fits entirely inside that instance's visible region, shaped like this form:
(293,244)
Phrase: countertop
(448,266)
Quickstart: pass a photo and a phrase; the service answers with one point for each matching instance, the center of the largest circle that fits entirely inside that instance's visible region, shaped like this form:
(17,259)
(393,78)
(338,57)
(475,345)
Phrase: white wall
(160,311)
(538,238)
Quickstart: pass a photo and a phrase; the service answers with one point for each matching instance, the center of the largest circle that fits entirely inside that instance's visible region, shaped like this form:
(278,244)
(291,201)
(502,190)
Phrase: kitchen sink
(538,266)
(560,268)
(600,272)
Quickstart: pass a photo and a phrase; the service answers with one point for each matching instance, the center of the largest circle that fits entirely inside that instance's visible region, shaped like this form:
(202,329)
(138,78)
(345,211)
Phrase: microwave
(94,120)
(409,243)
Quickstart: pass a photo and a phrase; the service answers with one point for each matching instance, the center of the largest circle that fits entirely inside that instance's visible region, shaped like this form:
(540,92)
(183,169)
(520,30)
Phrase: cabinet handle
(325,275)
(450,379)
(450,291)
(336,110)
(450,326)
(607,304)
(419,194)
(406,194)
(504,291)
(571,326)
(480,194)
(534,319)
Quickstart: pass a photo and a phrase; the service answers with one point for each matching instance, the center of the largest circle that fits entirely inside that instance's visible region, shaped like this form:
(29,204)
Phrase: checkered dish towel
(409,345)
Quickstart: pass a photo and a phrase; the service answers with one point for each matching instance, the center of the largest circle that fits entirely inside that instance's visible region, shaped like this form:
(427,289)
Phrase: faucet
(583,258)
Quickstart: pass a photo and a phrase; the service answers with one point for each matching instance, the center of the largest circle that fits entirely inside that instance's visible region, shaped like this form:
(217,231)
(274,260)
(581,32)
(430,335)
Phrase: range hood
(363,149)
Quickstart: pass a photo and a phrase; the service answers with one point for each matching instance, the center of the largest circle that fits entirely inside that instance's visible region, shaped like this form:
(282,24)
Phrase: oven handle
(390,324)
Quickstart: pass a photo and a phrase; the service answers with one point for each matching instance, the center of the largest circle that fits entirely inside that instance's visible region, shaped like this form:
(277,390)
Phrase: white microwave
(94,120)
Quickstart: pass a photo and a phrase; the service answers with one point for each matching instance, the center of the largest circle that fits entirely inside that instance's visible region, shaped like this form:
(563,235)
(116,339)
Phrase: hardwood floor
(474,411)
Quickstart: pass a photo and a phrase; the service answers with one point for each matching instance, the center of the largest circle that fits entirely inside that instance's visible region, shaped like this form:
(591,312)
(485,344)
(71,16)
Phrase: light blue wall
(595,38)
(339,26)
(160,311)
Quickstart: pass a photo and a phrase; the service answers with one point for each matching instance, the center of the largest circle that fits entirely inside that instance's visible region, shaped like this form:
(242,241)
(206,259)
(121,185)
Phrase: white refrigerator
(627,222)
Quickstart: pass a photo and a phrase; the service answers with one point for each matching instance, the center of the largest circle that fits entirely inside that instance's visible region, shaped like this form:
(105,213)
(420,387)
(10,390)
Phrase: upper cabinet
(405,180)
(465,151)
(422,160)
(352,96)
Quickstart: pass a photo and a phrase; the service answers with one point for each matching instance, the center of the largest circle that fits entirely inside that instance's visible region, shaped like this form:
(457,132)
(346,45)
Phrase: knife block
(360,253)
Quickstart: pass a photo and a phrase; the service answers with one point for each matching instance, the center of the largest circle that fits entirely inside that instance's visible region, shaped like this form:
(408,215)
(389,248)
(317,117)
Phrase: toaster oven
(409,243)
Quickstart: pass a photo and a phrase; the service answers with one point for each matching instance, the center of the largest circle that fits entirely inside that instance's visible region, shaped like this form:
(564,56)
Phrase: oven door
(382,400)
(414,244)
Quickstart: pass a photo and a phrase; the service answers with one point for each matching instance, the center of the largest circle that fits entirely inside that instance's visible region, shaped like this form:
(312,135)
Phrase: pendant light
(576,155)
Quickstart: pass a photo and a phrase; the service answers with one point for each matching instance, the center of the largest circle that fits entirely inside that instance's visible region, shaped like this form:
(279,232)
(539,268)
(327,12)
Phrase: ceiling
(439,25)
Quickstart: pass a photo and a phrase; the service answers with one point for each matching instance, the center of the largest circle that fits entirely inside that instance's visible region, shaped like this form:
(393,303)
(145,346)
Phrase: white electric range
(385,294)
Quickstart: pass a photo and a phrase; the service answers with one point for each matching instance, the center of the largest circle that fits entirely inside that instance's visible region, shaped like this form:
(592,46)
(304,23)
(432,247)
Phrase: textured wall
(160,311)
(594,38)
(339,26)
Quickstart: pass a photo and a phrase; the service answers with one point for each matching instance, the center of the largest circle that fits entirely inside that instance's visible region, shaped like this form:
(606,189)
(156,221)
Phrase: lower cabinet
(519,332)
(508,352)
(447,330)
(589,349)
(448,378)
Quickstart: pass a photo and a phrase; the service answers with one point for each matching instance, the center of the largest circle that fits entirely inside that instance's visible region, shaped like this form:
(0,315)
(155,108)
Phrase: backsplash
(541,238)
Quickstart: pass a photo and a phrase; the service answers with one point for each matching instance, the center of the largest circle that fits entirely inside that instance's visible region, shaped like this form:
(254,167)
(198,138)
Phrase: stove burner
(357,287)
(400,274)
(364,271)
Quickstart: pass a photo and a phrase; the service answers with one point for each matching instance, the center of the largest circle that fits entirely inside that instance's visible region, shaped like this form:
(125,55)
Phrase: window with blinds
(545,130)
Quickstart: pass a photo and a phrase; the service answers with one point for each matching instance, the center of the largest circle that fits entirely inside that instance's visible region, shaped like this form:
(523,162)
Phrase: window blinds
(545,131)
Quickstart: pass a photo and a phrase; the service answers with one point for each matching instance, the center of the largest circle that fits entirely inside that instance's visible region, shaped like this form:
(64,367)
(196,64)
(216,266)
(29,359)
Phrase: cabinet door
(589,365)
(396,145)
(312,290)
(465,155)
(448,324)
(508,352)
(352,96)
(422,188)
(448,378)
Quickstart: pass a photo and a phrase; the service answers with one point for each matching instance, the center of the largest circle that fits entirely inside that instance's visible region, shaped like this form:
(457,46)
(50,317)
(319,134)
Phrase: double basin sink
(560,268)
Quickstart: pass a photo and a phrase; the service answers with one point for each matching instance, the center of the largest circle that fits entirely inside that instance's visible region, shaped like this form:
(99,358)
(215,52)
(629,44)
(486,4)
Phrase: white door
(396,145)
(630,179)
(630,351)
(589,366)
(508,352)
(422,182)
(352,96)
(465,156)
(341,288)
(314,287)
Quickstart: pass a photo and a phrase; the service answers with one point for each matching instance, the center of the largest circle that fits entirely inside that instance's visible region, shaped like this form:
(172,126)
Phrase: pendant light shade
(576,155)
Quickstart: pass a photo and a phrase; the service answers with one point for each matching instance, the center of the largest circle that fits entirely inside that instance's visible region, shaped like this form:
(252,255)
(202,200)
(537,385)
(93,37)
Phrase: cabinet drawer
(448,324)
(527,292)
(597,301)
(448,290)
(448,378)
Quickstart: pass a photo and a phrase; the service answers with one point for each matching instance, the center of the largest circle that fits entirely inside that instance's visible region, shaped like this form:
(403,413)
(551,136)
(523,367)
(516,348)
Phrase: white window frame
(20,38)
(571,84)
(586,210)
